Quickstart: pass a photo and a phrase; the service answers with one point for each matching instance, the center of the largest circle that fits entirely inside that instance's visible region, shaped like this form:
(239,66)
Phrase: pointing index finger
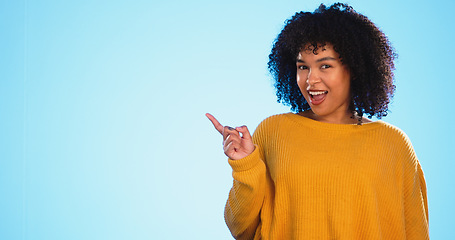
(215,123)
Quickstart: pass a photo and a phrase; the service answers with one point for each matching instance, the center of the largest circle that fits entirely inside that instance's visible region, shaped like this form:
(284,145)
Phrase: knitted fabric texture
(313,180)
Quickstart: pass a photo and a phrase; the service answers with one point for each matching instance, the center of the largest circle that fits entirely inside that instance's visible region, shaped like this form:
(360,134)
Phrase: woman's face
(325,83)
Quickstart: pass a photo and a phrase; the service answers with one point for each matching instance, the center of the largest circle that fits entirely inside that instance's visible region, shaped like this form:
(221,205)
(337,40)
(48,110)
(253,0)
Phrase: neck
(347,118)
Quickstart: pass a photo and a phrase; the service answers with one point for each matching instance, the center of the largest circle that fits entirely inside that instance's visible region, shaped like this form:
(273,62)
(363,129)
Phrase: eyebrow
(320,60)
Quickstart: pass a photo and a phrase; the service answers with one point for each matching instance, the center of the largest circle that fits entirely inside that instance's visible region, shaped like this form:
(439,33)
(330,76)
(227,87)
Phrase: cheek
(303,86)
(301,83)
(347,87)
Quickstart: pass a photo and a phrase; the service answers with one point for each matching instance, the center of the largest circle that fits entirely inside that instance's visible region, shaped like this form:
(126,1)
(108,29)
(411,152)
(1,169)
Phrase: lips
(317,96)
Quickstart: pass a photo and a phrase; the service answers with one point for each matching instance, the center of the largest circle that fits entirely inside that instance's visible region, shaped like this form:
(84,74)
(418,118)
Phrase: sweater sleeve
(246,195)
(415,203)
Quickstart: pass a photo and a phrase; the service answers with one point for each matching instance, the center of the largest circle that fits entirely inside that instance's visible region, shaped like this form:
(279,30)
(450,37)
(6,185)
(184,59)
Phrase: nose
(313,77)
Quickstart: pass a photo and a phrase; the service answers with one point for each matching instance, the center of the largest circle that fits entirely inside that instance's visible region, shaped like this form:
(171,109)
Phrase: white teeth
(317,93)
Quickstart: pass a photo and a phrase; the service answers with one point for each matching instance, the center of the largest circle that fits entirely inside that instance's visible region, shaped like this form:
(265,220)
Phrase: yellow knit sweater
(313,180)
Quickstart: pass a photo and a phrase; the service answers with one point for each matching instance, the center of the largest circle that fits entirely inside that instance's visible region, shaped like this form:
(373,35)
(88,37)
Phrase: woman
(327,172)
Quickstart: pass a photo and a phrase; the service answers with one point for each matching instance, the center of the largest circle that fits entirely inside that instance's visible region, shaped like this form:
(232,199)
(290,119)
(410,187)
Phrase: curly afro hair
(361,45)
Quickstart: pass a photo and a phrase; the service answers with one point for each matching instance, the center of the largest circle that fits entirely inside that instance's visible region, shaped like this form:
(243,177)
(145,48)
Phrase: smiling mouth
(317,97)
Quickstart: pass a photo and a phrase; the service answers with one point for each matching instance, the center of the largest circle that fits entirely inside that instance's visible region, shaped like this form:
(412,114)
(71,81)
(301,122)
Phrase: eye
(325,66)
(302,67)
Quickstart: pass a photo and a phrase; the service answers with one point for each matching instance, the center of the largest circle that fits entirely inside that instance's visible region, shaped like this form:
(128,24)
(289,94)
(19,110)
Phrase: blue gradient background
(102,103)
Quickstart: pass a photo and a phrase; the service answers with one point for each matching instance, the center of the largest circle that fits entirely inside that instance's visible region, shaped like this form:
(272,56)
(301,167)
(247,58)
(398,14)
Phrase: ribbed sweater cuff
(247,162)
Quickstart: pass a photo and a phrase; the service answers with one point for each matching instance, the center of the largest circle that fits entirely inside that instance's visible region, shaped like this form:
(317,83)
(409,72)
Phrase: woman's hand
(235,146)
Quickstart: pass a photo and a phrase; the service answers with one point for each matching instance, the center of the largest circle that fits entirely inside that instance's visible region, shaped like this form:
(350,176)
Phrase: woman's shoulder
(272,123)
(275,119)
(392,129)
(395,136)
